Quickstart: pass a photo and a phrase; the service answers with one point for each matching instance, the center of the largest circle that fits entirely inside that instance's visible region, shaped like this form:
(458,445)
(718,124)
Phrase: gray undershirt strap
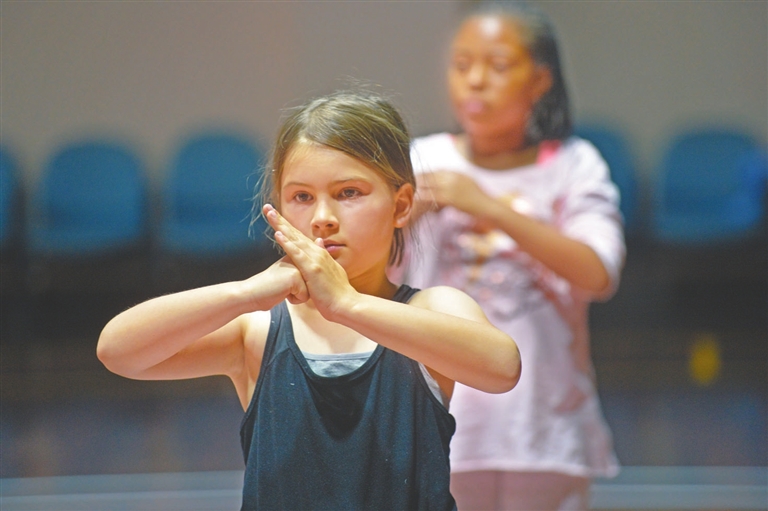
(339,364)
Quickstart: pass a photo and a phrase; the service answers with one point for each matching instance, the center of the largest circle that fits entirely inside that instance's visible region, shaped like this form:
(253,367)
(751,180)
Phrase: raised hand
(445,188)
(326,281)
(286,283)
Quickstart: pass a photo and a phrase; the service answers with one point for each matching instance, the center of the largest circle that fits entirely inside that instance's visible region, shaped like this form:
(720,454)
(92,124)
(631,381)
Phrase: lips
(473,106)
(332,246)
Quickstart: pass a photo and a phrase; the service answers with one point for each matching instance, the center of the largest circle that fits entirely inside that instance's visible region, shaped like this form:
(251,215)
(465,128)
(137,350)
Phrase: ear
(543,83)
(403,205)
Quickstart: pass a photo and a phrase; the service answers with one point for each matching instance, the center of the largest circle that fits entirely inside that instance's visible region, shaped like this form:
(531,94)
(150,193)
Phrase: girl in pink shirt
(524,218)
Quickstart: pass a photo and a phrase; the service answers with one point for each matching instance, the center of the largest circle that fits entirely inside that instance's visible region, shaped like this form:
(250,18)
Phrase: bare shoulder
(449,300)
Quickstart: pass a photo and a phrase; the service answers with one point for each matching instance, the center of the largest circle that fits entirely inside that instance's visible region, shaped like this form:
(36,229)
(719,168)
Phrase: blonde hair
(361,124)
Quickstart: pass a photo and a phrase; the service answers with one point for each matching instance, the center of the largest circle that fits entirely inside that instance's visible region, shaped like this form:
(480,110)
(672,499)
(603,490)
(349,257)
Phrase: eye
(350,193)
(501,65)
(302,197)
(461,63)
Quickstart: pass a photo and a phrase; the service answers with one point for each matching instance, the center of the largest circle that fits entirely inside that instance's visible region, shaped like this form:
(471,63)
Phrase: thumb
(299,292)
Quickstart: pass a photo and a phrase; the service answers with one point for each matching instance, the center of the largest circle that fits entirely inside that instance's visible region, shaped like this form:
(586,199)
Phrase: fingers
(306,254)
(309,255)
(281,280)
(283,227)
(435,187)
(291,248)
(276,220)
(324,280)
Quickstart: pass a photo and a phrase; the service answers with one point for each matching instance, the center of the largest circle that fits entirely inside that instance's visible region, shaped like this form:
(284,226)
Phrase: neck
(380,287)
(496,153)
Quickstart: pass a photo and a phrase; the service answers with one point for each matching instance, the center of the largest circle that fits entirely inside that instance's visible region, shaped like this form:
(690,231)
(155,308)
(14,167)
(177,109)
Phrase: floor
(637,488)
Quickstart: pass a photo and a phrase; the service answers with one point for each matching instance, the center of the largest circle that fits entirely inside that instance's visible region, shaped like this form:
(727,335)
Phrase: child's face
(492,79)
(327,194)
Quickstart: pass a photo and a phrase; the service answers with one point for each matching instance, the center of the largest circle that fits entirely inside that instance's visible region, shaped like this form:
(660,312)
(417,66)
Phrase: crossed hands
(307,270)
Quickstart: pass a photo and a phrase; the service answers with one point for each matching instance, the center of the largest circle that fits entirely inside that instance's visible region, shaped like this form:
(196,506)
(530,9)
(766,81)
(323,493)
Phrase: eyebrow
(493,50)
(336,181)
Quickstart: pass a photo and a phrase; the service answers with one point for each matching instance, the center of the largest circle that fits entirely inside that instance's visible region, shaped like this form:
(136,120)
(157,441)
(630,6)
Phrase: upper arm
(591,215)
(217,353)
(225,351)
(234,350)
(449,300)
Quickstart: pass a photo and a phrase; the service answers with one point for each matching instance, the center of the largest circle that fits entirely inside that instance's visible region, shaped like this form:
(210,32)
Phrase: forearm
(571,259)
(470,352)
(155,330)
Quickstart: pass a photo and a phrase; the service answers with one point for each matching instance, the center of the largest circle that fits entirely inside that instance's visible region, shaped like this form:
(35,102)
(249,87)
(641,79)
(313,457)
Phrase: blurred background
(674,93)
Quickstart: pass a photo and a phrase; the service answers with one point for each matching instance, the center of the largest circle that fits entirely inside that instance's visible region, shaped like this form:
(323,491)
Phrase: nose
(324,220)
(476,75)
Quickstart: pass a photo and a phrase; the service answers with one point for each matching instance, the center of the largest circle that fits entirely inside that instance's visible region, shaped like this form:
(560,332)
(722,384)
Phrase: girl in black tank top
(375,438)
(382,407)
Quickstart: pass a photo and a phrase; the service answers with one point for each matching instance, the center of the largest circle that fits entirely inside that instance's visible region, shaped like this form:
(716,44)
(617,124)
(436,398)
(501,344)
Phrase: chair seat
(706,227)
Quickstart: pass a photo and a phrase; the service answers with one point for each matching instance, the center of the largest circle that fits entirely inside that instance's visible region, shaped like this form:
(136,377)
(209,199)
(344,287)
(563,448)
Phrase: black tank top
(373,439)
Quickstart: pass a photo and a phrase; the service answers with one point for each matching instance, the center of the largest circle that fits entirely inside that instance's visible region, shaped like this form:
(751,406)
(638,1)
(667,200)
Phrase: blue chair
(91,200)
(614,148)
(710,188)
(10,199)
(207,198)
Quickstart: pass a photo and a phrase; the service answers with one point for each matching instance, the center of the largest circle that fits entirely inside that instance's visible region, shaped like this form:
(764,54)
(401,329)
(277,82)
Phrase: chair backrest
(92,195)
(212,177)
(703,168)
(208,195)
(710,186)
(614,148)
(10,197)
